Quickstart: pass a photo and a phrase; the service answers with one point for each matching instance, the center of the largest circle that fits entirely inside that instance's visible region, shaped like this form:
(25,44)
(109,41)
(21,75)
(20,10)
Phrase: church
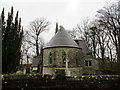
(62,53)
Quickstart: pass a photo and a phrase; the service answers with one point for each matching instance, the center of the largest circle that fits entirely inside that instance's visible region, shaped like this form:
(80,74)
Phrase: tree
(36,28)
(102,34)
(87,31)
(1,25)
(95,36)
(73,33)
(108,17)
(11,42)
(102,41)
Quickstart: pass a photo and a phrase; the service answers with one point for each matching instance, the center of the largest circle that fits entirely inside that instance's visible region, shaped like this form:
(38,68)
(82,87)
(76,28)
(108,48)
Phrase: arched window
(76,59)
(54,56)
(64,57)
(50,58)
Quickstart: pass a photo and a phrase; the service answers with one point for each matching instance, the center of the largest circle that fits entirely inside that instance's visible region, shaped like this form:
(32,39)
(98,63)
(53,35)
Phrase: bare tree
(102,41)
(73,33)
(36,28)
(108,17)
(87,32)
(83,30)
(26,49)
(102,35)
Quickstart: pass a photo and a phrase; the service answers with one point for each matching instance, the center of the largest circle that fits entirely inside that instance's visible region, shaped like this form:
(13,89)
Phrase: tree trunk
(37,47)
(94,48)
(27,66)
(118,57)
(102,55)
(41,62)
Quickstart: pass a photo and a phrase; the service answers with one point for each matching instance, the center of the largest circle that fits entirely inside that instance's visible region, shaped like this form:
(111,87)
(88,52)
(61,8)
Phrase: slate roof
(61,39)
(83,46)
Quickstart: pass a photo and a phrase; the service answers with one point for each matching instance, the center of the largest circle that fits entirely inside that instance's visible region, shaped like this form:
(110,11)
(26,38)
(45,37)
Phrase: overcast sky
(67,12)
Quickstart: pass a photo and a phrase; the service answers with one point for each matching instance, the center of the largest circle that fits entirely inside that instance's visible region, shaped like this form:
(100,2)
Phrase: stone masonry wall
(75,57)
(57,56)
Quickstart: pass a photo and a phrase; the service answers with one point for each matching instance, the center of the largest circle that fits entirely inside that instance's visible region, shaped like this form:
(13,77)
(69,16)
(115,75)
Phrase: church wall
(76,65)
(57,56)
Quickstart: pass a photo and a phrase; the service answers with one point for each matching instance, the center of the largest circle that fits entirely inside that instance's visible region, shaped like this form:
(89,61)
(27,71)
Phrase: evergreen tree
(12,38)
(2,25)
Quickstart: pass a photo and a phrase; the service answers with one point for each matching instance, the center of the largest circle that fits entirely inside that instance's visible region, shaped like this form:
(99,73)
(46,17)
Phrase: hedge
(38,81)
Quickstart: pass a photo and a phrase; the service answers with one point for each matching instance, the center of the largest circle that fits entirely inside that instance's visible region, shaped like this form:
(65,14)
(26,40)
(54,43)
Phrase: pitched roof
(61,39)
(83,46)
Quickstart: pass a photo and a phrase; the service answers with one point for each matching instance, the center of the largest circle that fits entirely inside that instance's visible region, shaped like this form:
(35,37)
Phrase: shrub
(110,71)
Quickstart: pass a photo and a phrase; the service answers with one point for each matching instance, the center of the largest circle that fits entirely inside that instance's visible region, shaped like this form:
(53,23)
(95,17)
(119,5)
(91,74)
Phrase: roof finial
(56,28)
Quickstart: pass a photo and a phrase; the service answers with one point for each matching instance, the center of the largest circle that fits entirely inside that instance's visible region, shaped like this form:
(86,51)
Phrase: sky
(67,13)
